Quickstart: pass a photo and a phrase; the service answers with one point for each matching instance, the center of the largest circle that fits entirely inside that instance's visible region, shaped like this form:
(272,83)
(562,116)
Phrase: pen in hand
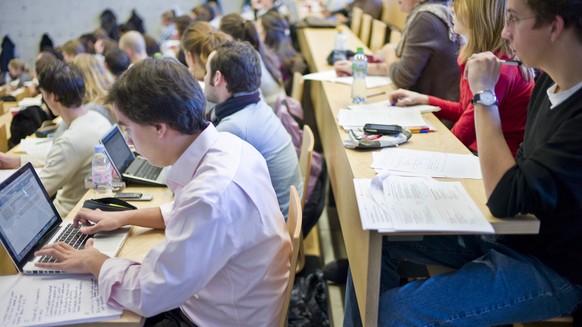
(511,62)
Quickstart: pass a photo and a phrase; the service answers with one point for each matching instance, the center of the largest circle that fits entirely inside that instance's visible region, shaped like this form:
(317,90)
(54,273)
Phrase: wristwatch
(486,98)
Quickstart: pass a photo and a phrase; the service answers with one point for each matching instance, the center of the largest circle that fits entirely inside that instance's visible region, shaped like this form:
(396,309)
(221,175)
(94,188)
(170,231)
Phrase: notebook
(29,220)
(127,165)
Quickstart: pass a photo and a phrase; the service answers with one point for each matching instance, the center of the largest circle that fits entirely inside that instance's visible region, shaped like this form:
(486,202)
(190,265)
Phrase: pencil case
(108,204)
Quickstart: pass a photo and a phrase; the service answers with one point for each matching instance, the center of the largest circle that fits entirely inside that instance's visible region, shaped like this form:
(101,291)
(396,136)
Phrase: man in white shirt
(224,260)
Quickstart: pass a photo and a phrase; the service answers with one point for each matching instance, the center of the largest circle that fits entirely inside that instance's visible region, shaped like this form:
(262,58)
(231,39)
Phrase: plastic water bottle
(101,171)
(340,48)
(359,72)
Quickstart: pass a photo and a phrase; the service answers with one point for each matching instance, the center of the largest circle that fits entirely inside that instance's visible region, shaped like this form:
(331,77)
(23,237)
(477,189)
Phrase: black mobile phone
(382,129)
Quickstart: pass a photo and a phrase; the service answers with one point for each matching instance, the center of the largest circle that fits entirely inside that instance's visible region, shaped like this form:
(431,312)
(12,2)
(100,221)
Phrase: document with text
(427,163)
(51,300)
(417,204)
(357,118)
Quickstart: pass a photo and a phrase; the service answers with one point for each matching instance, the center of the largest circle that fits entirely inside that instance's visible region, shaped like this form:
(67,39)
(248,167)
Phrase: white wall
(25,21)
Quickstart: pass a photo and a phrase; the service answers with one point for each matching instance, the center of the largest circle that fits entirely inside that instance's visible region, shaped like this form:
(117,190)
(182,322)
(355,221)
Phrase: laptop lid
(117,149)
(28,218)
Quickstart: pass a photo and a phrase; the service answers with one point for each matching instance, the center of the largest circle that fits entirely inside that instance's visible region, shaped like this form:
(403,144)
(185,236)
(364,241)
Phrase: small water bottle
(101,171)
(359,72)
(340,48)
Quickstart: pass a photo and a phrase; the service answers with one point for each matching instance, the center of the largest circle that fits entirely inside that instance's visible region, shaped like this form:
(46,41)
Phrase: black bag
(308,306)
(108,204)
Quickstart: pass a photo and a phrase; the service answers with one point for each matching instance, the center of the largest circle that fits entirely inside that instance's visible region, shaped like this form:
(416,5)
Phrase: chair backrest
(395,36)
(297,87)
(3,138)
(305,157)
(356,20)
(392,15)
(294,221)
(365,29)
(378,37)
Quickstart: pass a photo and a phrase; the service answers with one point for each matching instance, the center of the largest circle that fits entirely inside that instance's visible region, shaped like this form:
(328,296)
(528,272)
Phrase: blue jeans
(493,285)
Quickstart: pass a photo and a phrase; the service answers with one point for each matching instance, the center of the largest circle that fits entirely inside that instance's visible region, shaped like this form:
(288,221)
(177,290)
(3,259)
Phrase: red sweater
(513,94)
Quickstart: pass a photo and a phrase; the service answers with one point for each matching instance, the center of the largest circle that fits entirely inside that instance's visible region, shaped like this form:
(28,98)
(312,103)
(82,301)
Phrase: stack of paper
(357,118)
(392,203)
(51,300)
(330,76)
(426,163)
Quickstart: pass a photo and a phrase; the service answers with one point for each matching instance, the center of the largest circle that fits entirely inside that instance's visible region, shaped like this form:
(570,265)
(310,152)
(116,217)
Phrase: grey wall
(25,21)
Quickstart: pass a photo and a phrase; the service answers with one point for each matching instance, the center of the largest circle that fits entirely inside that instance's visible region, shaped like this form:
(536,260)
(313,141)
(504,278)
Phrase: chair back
(356,20)
(305,158)
(294,221)
(378,37)
(297,87)
(392,15)
(365,29)
(3,138)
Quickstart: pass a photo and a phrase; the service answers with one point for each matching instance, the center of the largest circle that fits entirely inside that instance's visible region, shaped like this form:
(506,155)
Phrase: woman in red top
(481,23)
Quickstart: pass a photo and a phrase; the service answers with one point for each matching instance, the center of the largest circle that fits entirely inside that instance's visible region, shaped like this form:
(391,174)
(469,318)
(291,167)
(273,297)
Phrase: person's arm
(9,161)
(96,220)
(496,159)
(418,48)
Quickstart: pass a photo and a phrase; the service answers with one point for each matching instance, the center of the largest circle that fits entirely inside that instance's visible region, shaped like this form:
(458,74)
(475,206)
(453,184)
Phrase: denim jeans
(493,285)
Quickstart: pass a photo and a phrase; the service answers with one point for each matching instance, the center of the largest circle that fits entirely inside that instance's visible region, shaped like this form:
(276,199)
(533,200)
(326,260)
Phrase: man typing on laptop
(224,260)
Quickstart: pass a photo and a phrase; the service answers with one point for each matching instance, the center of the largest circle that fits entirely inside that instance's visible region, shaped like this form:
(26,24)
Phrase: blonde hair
(73,47)
(18,64)
(484,21)
(97,79)
(200,39)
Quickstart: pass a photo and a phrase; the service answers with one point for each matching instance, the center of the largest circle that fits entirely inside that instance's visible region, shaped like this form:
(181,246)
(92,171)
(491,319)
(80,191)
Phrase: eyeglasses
(511,20)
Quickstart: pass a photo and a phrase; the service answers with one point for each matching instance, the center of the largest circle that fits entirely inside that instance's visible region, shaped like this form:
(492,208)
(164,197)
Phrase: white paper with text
(51,300)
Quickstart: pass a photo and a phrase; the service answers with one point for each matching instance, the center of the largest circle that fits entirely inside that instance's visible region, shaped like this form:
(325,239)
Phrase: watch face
(486,98)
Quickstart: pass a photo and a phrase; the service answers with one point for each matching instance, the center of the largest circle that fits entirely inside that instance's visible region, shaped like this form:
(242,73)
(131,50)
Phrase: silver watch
(486,98)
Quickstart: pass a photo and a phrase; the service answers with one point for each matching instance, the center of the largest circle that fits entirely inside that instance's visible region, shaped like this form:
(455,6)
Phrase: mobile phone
(382,129)
(133,196)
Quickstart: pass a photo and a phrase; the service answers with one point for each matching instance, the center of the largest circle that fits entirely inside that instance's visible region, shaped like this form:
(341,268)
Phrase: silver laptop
(127,165)
(29,220)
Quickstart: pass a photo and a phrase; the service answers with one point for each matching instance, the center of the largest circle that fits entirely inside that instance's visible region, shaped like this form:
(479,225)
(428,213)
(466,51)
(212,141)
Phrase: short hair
(117,61)
(160,90)
(569,10)
(18,64)
(43,59)
(133,40)
(182,23)
(73,47)
(240,65)
(485,21)
(201,39)
(65,81)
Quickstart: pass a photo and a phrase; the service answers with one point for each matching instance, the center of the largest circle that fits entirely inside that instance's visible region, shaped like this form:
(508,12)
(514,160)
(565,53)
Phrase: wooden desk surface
(364,247)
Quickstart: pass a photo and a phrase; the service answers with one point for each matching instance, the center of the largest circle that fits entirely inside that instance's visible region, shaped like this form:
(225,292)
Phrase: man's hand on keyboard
(69,259)
(97,220)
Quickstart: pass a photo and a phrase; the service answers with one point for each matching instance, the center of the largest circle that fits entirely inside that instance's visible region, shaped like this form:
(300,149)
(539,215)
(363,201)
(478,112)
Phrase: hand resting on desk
(405,98)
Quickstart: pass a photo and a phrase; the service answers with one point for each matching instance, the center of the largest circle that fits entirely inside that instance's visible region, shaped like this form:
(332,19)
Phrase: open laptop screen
(26,213)
(117,149)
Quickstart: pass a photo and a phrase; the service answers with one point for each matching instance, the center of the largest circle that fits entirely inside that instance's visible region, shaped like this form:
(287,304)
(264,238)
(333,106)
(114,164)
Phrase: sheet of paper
(371,212)
(330,76)
(36,145)
(51,300)
(419,204)
(427,163)
(357,118)
(386,104)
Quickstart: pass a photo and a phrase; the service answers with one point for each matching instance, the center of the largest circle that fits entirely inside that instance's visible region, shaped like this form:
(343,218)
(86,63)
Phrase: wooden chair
(365,29)
(297,87)
(294,221)
(305,157)
(392,15)
(3,138)
(378,36)
(356,20)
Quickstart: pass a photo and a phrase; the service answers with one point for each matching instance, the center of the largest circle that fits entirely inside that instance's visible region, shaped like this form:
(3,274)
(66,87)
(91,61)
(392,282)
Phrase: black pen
(512,62)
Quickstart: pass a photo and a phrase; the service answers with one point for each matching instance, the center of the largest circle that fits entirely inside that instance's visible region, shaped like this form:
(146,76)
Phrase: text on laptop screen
(117,149)
(25,213)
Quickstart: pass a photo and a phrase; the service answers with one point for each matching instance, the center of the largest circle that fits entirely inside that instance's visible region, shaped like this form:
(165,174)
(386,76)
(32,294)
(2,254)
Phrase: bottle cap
(99,148)
(360,49)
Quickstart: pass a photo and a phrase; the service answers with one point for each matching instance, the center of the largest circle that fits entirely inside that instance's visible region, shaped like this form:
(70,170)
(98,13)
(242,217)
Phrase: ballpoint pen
(511,62)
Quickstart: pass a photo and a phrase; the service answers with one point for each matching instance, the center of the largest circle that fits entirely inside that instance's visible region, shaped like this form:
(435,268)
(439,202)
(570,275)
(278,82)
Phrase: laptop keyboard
(71,236)
(144,169)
